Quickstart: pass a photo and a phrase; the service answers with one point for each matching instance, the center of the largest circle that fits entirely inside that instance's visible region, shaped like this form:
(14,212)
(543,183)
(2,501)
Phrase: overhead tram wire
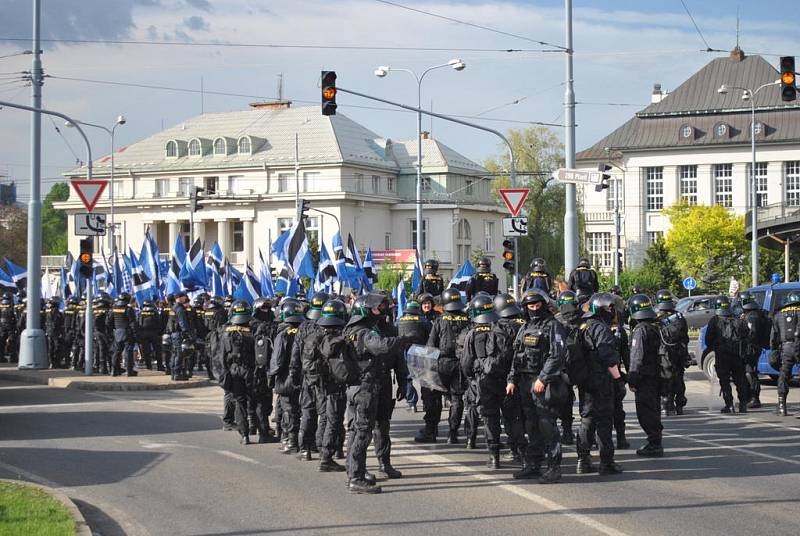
(696,27)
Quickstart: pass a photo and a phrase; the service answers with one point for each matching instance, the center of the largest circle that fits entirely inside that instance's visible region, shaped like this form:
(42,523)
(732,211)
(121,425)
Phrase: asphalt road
(159,463)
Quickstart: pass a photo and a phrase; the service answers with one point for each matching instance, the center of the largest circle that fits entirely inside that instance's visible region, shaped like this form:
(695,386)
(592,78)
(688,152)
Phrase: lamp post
(750,95)
(381,72)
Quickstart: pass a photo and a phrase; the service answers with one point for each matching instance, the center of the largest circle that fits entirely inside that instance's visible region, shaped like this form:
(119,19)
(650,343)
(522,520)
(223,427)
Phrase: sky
(622,47)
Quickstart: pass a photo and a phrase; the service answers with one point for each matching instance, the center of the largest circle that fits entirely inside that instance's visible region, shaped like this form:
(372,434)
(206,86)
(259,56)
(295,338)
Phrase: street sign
(579,176)
(690,283)
(89,191)
(515,226)
(90,224)
(514,198)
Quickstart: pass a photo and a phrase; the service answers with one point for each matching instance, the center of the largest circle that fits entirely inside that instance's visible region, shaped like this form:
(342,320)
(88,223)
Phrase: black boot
(552,475)
(754,403)
(651,450)
(610,468)
(584,465)
(245,440)
(529,470)
(363,486)
(494,459)
(425,435)
(385,470)
(782,410)
(471,442)
(513,456)
(622,442)
(742,407)
(305,455)
(291,445)
(567,436)
(330,466)
(452,438)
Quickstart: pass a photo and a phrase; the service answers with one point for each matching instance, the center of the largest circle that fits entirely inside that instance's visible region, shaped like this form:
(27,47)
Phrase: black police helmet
(598,304)
(292,311)
(425,296)
(333,313)
(124,297)
(481,310)
(567,301)
(749,302)
(262,303)
(432,264)
(412,308)
(616,290)
(533,295)
(239,313)
(506,306)
(147,303)
(484,265)
(584,262)
(792,298)
(722,304)
(664,300)
(636,289)
(317,301)
(640,307)
(538,262)
(451,300)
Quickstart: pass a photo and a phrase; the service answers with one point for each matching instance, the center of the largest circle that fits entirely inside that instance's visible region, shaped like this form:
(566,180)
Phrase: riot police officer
(124,335)
(539,358)
(583,280)
(197,318)
(54,330)
(292,315)
(432,282)
(785,344)
(675,345)
(238,350)
(149,333)
(759,327)
(166,312)
(724,337)
(645,374)
(181,333)
(8,324)
(259,403)
(70,329)
(569,314)
(483,280)
(416,328)
(332,322)
(78,340)
(445,332)
(103,333)
(538,277)
(596,398)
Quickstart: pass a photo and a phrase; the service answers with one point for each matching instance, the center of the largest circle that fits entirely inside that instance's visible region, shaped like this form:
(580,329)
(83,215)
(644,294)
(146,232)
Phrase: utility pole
(297,176)
(570,214)
(32,351)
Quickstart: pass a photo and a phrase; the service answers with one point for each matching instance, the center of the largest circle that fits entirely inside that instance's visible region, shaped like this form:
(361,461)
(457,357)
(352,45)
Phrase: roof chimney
(275,105)
(658,94)
(737,54)
(425,135)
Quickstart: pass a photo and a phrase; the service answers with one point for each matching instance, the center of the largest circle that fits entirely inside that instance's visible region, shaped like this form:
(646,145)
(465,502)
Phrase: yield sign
(514,198)
(89,191)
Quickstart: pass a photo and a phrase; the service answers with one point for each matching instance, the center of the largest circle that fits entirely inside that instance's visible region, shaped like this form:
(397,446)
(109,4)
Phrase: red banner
(394,256)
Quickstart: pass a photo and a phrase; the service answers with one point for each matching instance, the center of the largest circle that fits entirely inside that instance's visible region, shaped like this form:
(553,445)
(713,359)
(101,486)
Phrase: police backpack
(577,366)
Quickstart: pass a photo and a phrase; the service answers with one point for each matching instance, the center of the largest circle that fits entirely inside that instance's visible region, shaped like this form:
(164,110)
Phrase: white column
(705,185)
(173,234)
(248,240)
(199,231)
(224,237)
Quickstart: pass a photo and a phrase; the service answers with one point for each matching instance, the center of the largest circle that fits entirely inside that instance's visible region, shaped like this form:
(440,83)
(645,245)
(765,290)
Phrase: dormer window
(686,132)
(244,145)
(195,148)
(758,128)
(219,147)
(721,130)
(172,149)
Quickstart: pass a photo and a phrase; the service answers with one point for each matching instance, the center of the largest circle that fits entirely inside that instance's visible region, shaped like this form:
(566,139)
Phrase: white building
(693,144)
(251,164)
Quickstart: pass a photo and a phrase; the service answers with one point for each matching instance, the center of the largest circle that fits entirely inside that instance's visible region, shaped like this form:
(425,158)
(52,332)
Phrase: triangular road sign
(89,192)
(514,198)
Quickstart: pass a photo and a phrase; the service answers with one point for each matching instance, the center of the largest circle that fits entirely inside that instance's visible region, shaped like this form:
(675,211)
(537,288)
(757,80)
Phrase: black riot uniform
(103,334)
(181,336)
(78,340)
(376,352)
(539,277)
(445,333)
(596,398)
(54,330)
(483,280)
(675,347)
(416,327)
(165,308)
(583,280)
(785,344)
(292,315)
(8,326)
(644,374)
(237,346)
(197,316)
(620,392)
(724,336)
(432,282)
(124,335)
(259,403)
(539,359)
(149,334)
(759,327)
(570,316)
(70,329)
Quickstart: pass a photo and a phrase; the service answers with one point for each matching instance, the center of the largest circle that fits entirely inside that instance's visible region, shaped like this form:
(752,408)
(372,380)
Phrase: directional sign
(690,283)
(581,176)
(89,191)
(515,226)
(514,198)
(90,224)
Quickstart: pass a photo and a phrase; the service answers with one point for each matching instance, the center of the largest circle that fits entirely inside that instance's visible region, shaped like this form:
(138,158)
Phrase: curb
(81,527)
(122,385)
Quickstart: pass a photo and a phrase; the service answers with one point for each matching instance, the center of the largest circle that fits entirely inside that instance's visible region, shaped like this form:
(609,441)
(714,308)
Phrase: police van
(770,297)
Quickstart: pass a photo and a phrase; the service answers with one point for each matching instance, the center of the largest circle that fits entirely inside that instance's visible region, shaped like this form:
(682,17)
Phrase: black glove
(633,379)
(400,394)
(619,385)
(271,382)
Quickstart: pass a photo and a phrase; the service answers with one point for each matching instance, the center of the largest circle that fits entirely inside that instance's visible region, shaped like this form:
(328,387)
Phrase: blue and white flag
(248,288)
(6,281)
(216,257)
(295,247)
(326,272)
(148,258)
(142,285)
(369,269)
(462,277)
(64,289)
(265,277)
(339,261)
(215,282)
(127,274)
(174,284)
(416,277)
(352,259)
(193,272)
(18,274)
(401,298)
(179,251)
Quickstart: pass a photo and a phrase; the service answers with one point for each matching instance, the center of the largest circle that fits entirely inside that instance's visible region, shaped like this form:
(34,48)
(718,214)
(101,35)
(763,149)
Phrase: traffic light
(302,208)
(508,255)
(86,266)
(788,84)
(620,264)
(328,92)
(194,198)
(604,177)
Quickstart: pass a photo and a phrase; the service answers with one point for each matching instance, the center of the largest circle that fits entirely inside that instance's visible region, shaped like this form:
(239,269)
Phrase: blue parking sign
(690,283)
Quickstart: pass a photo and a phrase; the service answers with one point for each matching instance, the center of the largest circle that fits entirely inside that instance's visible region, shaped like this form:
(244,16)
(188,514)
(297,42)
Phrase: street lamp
(750,95)
(457,65)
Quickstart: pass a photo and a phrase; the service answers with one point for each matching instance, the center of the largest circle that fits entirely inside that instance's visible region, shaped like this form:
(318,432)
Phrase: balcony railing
(597,217)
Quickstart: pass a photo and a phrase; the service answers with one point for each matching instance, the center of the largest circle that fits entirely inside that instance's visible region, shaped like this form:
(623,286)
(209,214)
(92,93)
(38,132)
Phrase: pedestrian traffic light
(302,207)
(620,265)
(508,255)
(86,262)
(328,92)
(604,177)
(788,83)
(194,198)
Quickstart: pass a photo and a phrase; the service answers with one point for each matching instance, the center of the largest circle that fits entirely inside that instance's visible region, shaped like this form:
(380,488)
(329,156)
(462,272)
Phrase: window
(463,241)
(376,184)
(359,182)
(686,132)
(488,236)
(310,181)
(426,184)
(654,187)
(424,234)
(283,182)
(387,241)
(211,184)
(599,247)
(721,130)
(312,228)
(184,185)
(792,173)
(687,175)
(614,195)
(468,186)
(184,234)
(723,185)
(244,145)
(238,236)
(119,189)
(761,183)
(284,224)
(758,127)
(391,185)
(653,236)
(235,184)
(219,146)
(172,149)
(162,187)
(194,148)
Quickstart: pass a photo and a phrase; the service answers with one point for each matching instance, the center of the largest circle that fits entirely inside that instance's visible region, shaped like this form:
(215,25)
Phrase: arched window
(172,149)
(244,145)
(463,240)
(194,148)
(219,146)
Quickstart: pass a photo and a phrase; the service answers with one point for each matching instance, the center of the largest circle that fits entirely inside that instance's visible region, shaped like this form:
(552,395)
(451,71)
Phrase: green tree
(388,276)
(54,222)
(13,234)
(662,266)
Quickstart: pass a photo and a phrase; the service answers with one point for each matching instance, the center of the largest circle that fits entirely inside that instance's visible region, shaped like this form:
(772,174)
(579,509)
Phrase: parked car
(697,310)
(770,297)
